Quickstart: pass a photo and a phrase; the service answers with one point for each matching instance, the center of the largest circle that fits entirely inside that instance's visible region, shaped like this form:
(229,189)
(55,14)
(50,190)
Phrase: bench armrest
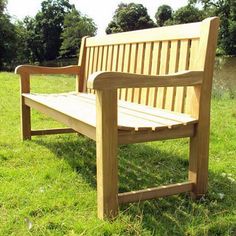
(26,70)
(30,70)
(115,80)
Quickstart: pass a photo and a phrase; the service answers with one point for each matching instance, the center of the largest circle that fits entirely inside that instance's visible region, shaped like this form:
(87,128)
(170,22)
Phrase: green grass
(48,185)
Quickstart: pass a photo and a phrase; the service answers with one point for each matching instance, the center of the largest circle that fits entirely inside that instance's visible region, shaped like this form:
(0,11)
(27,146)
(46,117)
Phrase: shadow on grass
(142,166)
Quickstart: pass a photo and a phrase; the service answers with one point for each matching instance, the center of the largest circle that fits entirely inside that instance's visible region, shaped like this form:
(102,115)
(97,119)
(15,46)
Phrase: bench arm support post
(25,71)
(106,142)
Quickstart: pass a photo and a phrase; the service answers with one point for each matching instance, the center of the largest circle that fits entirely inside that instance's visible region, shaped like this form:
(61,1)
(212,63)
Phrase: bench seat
(81,106)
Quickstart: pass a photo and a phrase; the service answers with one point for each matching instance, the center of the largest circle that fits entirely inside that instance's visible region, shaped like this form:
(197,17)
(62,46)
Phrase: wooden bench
(138,86)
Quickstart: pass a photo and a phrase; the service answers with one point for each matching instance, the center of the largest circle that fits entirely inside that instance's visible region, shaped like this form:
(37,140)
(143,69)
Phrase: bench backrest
(156,51)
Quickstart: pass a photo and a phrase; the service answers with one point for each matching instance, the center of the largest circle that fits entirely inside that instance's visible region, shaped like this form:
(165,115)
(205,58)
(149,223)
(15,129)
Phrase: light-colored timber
(150,193)
(132,87)
(131,116)
(52,131)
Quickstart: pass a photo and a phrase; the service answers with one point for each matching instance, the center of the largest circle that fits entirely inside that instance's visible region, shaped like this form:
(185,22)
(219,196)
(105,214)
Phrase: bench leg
(198,164)
(106,142)
(25,121)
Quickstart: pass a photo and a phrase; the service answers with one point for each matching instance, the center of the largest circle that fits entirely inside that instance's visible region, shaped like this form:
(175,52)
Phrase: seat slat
(166,114)
(156,119)
(126,118)
(130,116)
(147,110)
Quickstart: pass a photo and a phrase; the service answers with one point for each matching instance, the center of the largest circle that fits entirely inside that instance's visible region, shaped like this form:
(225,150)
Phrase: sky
(101,11)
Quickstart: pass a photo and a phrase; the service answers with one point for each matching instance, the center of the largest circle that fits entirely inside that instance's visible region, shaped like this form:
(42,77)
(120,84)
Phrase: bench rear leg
(106,140)
(25,121)
(198,164)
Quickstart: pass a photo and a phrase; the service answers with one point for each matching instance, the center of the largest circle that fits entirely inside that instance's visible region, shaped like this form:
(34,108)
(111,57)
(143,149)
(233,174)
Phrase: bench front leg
(198,161)
(106,147)
(25,110)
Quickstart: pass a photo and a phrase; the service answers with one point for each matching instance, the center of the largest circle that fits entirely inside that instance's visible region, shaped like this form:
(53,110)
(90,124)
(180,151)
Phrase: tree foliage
(3,4)
(226,10)
(76,26)
(30,41)
(58,27)
(187,14)
(7,37)
(164,13)
(49,25)
(129,17)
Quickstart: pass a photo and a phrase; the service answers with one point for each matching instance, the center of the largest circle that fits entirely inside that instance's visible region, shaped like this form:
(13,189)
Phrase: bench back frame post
(201,101)
(81,63)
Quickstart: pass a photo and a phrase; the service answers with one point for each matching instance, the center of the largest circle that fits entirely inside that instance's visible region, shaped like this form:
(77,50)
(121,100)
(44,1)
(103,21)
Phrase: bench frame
(108,137)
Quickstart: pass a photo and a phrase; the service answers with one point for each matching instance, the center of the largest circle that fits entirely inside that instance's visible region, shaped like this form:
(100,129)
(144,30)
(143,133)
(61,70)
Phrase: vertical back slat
(126,69)
(183,65)
(115,58)
(91,61)
(110,58)
(93,66)
(104,60)
(120,63)
(146,71)
(139,70)
(164,63)
(95,61)
(132,69)
(173,67)
(100,58)
(154,70)
(86,74)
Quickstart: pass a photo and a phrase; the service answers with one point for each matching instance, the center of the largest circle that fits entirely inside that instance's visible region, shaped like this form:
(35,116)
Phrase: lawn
(48,184)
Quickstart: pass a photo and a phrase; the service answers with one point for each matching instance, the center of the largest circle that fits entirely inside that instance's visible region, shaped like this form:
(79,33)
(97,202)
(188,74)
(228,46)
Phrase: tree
(7,37)
(49,26)
(226,10)
(129,17)
(164,13)
(75,27)
(3,4)
(29,41)
(187,14)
